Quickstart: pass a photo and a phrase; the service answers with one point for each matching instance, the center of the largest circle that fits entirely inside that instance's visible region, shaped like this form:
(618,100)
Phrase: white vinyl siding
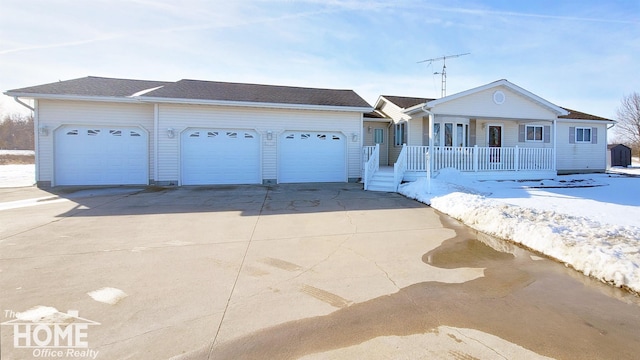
(261,120)
(588,156)
(481,105)
(54,114)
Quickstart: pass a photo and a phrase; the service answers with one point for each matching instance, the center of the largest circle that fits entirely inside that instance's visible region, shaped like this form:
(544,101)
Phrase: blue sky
(579,54)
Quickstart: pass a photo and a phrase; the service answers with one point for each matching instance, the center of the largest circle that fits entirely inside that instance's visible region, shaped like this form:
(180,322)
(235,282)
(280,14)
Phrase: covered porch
(482,163)
(497,131)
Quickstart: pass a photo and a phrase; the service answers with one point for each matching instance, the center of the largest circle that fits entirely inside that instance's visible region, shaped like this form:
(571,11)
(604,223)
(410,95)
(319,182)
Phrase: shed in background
(619,155)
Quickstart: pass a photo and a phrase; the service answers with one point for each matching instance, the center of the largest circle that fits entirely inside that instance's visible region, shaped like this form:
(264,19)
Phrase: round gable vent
(499,97)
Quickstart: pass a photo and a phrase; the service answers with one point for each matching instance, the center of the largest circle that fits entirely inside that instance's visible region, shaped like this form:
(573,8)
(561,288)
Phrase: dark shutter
(594,135)
(572,135)
(547,134)
(521,133)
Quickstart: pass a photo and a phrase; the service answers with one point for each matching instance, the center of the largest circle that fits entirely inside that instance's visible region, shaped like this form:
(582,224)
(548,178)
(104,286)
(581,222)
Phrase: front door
(495,142)
(380,138)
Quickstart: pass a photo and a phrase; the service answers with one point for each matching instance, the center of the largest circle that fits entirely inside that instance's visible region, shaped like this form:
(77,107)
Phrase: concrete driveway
(283,272)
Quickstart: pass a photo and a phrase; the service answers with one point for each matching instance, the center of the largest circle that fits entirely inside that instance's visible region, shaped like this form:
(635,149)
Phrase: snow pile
(108,295)
(587,221)
(37,314)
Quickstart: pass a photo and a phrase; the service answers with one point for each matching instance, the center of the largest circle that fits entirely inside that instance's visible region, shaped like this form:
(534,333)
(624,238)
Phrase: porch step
(382,181)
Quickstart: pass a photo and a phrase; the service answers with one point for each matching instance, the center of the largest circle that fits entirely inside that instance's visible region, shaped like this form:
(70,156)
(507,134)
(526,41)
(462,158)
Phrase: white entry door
(99,155)
(220,156)
(311,156)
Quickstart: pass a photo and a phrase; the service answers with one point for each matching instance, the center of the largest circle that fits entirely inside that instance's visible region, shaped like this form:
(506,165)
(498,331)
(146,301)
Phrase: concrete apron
(298,271)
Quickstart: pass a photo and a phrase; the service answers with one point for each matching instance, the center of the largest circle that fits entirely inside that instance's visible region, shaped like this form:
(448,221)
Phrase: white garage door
(307,156)
(99,155)
(220,156)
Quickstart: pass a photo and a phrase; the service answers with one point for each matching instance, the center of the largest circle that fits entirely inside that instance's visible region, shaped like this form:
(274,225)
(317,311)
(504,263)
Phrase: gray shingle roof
(406,102)
(577,115)
(197,90)
(92,86)
(254,93)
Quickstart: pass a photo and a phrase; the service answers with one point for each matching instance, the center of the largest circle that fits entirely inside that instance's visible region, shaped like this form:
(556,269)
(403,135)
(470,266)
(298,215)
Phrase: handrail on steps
(400,167)
(371,166)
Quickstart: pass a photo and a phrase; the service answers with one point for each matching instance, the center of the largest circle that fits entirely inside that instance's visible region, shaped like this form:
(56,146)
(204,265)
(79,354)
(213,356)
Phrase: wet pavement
(291,271)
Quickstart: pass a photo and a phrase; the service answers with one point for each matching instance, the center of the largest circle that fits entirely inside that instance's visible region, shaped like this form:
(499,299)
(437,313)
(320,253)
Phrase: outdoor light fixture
(369,129)
(354,137)
(43,130)
(171,133)
(269,135)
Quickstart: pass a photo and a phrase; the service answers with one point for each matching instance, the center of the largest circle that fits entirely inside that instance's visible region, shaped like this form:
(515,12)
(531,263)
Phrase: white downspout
(23,103)
(156,139)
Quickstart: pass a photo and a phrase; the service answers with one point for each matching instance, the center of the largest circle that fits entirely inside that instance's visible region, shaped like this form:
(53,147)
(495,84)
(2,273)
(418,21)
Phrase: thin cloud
(175,29)
(484,12)
(58,45)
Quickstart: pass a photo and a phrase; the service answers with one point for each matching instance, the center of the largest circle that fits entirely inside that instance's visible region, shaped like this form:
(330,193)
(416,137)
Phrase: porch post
(431,119)
(555,145)
(475,158)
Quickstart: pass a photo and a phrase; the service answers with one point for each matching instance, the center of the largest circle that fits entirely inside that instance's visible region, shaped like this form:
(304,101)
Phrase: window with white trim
(400,134)
(583,135)
(534,133)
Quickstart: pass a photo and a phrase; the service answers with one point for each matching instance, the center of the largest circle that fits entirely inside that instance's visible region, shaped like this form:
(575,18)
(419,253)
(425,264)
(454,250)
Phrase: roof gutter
(141,98)
(17,99)
(73,97)
(253,104)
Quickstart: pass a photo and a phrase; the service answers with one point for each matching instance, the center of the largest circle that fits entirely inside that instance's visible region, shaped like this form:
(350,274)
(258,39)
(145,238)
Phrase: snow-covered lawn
(17,175)
(590,222)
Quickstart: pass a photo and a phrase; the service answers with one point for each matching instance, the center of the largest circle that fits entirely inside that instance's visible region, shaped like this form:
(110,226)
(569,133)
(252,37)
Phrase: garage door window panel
(220,157)
(100,156)
(312,157)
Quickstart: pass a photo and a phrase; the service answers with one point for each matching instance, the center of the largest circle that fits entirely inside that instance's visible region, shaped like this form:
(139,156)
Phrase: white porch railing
(465,159)
(416,158)
(400,167)
(366,153)
(477,159)
(371,154)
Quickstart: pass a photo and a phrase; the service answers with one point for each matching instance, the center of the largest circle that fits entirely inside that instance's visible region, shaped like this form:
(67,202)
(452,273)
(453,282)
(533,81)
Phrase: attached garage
(106,131)
(101,155)
(220,156)
(308,156)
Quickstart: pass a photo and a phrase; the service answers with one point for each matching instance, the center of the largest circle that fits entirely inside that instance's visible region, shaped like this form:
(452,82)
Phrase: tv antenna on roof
(444,69)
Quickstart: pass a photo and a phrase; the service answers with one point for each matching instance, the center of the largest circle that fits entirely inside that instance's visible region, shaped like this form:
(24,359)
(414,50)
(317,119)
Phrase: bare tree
(628,126)
(16,132)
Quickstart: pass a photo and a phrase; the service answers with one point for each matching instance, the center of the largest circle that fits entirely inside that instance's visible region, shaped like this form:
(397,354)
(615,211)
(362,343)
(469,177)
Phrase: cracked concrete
(312,271)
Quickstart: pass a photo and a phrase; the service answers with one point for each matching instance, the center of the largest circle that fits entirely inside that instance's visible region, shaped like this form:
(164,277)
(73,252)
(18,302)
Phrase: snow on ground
(17,152)
(17,175)
(591,222)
